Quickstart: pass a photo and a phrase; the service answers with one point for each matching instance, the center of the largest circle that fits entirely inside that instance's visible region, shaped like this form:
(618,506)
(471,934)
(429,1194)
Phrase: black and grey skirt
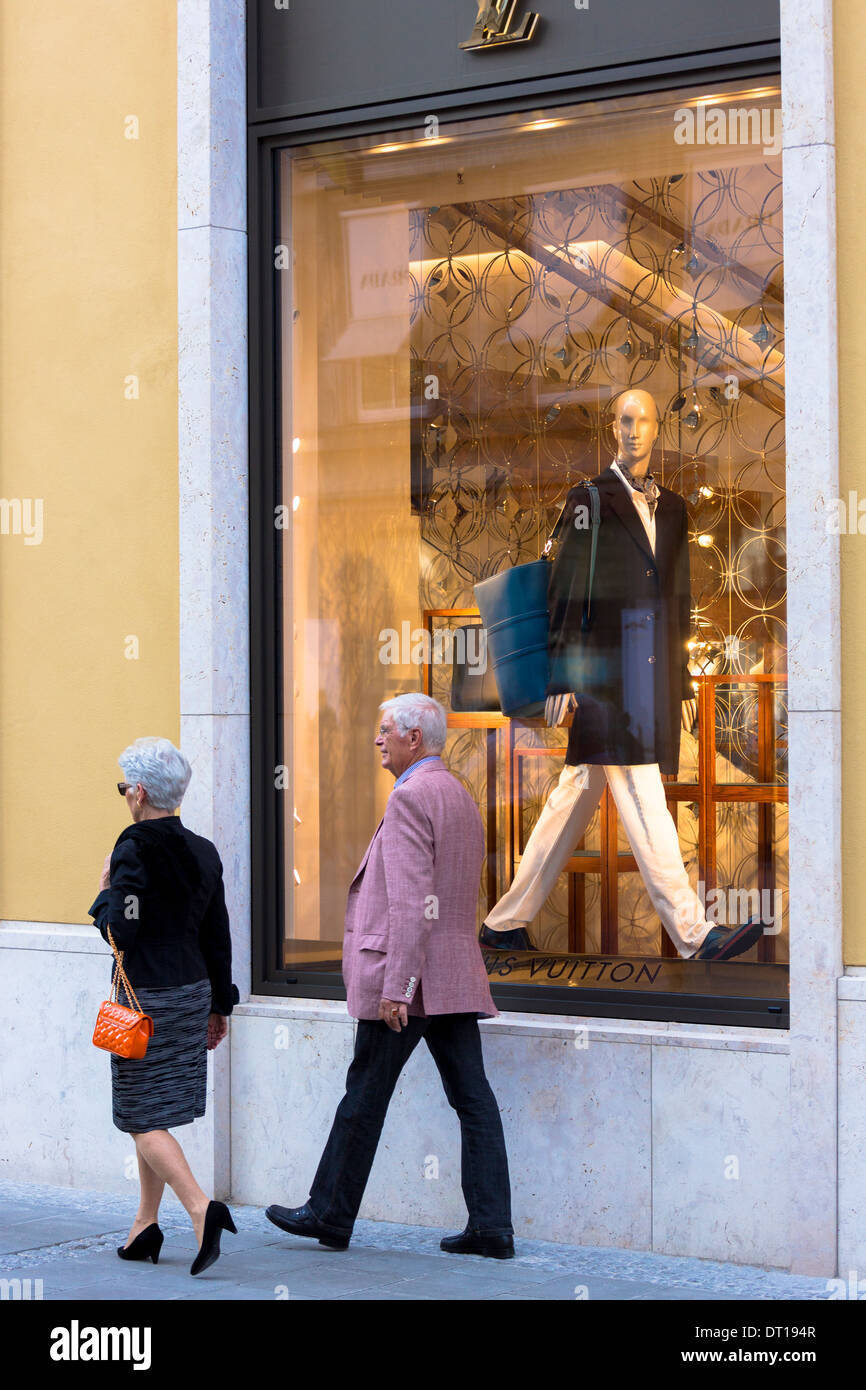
(167,1086)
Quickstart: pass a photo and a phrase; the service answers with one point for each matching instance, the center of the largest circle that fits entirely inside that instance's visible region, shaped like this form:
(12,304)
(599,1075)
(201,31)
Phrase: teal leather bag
(513,608)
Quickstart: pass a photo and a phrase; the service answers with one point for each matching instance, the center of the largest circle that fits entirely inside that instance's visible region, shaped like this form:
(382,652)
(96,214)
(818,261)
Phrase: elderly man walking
(413,969)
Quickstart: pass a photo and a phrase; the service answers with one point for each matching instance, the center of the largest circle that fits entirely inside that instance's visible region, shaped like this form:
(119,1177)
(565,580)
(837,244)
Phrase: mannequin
(625,664)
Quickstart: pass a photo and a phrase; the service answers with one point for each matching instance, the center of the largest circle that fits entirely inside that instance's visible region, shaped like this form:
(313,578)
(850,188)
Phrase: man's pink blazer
(411,914)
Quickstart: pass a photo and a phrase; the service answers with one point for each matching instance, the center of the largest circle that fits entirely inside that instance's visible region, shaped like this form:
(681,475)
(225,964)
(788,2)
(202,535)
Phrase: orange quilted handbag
(125,1032)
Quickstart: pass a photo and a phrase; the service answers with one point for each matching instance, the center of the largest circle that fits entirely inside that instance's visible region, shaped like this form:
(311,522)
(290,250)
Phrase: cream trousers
(640,801)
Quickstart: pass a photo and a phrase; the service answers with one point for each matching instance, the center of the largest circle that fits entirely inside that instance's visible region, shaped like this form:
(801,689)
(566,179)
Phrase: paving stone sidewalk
(67,1238)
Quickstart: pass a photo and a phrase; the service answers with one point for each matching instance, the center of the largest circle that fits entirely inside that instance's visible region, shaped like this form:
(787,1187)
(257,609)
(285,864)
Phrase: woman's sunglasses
(124,787)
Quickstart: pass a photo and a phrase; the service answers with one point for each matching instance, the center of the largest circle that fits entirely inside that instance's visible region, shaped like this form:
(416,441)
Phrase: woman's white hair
(161,769)
(417,711)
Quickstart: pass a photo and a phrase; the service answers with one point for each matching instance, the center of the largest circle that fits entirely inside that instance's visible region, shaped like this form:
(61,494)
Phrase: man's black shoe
(300,1221)
(477,1243)
(518,939)
(723,943)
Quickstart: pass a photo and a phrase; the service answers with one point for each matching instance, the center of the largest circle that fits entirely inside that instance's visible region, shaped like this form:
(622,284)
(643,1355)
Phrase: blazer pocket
(373,941)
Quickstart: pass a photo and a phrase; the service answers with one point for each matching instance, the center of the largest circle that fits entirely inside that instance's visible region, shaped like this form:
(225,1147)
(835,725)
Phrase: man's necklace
(647,485)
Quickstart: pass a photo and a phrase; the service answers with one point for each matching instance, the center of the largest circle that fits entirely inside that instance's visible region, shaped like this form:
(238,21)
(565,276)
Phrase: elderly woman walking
(161,897)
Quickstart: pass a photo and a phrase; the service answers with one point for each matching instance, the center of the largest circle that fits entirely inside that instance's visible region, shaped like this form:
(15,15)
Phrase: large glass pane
(459,309)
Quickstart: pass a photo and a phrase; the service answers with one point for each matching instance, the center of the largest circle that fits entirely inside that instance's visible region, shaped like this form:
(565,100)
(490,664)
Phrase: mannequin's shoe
(471,1242)
(517,939)
(723,943)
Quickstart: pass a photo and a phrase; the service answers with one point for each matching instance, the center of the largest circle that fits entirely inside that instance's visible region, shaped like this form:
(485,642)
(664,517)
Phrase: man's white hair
(161,769)
(417,711)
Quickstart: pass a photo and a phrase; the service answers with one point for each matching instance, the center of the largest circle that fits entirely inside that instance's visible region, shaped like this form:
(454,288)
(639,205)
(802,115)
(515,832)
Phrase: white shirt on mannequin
(641,506)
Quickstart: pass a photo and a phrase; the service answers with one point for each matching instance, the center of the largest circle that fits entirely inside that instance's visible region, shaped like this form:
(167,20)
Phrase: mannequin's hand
(557,709)
(690,714)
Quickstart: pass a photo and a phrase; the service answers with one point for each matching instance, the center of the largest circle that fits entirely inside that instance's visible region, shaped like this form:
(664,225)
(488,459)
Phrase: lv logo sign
(493,26)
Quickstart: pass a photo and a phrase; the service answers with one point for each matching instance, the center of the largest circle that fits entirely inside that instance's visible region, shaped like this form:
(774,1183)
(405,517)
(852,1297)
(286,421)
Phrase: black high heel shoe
(217,1219)
(146,1246)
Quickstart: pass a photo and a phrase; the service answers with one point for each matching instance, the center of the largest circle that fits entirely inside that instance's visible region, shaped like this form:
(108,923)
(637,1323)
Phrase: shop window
(459,315)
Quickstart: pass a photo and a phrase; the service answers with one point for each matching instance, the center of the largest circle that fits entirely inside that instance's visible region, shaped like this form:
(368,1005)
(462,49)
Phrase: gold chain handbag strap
(119,971)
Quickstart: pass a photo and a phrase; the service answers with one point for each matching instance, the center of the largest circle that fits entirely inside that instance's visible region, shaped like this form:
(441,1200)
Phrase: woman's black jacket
(166,908)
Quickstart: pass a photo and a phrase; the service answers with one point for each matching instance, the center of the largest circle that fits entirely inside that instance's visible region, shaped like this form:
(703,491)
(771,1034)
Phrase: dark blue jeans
(380,1056)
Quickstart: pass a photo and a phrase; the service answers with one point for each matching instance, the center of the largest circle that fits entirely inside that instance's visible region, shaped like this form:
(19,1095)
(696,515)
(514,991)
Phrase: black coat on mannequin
(626,659)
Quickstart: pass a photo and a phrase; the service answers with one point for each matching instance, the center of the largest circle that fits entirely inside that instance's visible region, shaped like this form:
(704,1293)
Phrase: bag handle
(595,517)
(548,545)
(119,971)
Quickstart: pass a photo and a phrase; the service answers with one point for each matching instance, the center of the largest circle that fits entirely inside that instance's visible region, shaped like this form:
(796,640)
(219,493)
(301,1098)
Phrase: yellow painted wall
(88,231)
(850,49)
(88,253)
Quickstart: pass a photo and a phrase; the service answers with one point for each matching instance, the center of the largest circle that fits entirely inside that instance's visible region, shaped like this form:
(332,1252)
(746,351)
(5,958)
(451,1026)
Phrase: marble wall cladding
(721,1140)
(213,417)
(55,1120)
(812,437)
(213,472)
(811,427)
(622,1142)
(578,1126)
(288,1073)
(807,71)
(576,1120)
(816,965)
(211,113)
(218,747)
(852,1126)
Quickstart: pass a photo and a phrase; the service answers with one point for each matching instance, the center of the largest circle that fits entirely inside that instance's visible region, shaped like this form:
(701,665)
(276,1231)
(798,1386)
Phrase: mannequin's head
(635,428)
